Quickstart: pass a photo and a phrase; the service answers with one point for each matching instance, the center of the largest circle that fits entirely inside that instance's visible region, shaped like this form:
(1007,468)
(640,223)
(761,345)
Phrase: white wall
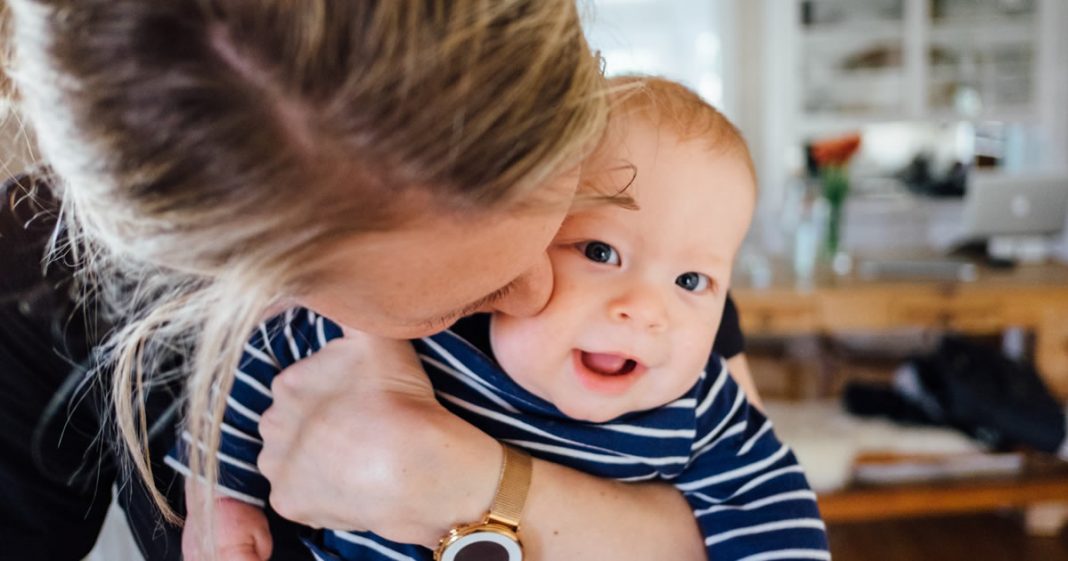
(757,61)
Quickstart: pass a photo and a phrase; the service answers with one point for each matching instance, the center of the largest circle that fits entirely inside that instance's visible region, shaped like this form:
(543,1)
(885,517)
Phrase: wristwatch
(496,536)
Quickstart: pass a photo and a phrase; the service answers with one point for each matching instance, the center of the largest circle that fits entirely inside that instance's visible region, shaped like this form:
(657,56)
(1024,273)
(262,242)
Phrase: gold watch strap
(511,488)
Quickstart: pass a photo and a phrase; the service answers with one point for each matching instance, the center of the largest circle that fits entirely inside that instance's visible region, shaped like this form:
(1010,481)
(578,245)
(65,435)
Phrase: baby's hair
(671,106)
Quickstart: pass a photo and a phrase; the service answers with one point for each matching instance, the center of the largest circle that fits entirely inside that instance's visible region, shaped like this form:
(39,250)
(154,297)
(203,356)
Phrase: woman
(392,165)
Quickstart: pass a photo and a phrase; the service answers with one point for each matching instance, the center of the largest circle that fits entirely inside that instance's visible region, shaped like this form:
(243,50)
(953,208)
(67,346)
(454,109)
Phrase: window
(677,39)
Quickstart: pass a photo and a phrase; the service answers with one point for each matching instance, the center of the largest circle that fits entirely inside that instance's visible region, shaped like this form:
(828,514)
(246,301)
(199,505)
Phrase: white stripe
(755,482)
(603,458)
(316,556)
(462,372)
(712,393)
(476,384)
(225,458)
(320,331)
(381,549)
(818,554)
(683,403)
(287,332)
(234,432)
(753,440)
(236,406)
(261,356)
(714,433)
(636,478)
(760,503)
(267,346)
(651,432)
(254,383)
(243,497)
(735,429)
(464,342)
(500,417)
(735,473)
(777,526)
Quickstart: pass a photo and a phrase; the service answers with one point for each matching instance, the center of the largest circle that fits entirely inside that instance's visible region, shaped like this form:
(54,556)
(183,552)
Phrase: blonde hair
(209,152)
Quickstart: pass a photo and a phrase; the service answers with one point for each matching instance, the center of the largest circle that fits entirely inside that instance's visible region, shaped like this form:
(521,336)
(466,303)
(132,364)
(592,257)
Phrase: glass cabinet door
(852,58)
(982,57)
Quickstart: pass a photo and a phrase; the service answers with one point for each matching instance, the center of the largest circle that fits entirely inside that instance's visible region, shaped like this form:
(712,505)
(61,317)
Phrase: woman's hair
(210,152)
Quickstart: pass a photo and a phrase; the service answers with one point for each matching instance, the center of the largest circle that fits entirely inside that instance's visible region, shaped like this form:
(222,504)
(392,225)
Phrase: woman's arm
(573,515)
(738,366)
(355,440)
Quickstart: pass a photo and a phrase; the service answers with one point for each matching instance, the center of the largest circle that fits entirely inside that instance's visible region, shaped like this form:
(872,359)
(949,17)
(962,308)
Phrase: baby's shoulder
(290,336)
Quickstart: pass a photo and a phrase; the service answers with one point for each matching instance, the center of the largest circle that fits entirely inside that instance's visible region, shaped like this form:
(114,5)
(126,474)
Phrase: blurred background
(903,289)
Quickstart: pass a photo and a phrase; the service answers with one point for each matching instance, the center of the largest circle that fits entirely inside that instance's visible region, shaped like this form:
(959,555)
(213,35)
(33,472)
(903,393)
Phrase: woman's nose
(641,308)
(528,293)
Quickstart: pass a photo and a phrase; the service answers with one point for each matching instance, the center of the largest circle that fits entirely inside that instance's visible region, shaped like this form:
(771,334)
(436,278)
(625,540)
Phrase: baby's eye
(600,252)
(694,282)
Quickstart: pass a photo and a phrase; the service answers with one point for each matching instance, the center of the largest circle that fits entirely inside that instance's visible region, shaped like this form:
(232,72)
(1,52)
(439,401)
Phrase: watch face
(483,546)
(483,551)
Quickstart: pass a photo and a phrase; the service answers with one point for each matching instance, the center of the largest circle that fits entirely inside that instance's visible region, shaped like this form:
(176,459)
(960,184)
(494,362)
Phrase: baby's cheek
(519,346)
(695,351)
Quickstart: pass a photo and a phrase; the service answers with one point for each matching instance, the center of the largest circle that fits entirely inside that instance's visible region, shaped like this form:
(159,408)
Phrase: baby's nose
(642,309)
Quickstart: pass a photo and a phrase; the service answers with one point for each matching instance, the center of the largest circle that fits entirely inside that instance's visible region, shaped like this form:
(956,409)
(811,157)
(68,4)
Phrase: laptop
(1012,214)
(998,205)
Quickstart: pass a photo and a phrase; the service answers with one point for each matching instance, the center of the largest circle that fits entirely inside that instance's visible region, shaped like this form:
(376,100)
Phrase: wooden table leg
(1051,350)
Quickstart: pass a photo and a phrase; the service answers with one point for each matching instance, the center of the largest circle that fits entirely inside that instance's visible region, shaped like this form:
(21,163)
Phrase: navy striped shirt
(747,491)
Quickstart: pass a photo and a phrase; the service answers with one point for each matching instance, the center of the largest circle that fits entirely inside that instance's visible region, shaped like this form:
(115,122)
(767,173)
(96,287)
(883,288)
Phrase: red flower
(835,151)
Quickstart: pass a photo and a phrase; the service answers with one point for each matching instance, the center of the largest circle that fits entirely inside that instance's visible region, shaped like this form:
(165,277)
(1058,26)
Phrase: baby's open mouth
(608,364)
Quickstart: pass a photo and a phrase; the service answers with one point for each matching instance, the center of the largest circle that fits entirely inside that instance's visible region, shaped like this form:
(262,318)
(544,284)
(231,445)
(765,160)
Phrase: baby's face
(638,294)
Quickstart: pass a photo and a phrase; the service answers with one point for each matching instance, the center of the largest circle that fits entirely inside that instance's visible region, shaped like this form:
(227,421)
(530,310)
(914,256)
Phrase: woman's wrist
(471,462)
(568,514)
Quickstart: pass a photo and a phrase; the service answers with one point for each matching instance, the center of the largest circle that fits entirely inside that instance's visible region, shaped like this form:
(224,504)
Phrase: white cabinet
(832,66)
(865,61)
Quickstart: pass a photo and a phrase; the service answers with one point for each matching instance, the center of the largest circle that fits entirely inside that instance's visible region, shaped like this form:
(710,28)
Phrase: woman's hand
(356,440)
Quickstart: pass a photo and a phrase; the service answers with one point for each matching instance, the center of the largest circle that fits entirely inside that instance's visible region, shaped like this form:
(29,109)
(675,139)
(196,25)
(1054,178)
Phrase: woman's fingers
(355,440)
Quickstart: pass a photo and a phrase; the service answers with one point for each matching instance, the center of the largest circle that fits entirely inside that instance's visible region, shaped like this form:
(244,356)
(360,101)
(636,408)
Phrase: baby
(615,376)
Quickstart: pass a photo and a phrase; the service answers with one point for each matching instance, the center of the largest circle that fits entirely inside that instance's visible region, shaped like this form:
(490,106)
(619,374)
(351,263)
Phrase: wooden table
(1043,483)
(1031,297)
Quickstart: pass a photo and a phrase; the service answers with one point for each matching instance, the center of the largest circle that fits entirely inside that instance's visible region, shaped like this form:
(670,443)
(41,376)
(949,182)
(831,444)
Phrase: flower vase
(835,190)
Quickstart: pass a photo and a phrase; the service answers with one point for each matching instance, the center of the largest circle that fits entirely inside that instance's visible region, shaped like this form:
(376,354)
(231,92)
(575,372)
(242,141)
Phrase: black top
(729,339)
(51,463)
